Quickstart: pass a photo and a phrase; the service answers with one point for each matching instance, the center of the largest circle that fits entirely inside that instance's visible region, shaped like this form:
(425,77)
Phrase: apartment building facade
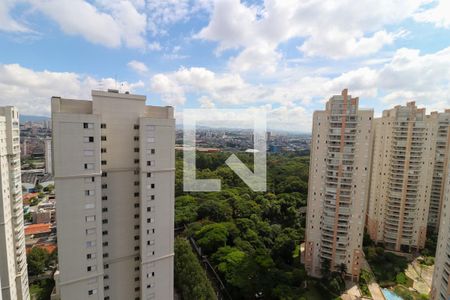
(440,167)
(402,177)
(13,261)
(338,185)
(113,163)
(440,289)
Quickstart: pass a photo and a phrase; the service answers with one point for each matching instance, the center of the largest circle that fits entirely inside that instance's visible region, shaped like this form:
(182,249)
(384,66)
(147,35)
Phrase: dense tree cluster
(251,238)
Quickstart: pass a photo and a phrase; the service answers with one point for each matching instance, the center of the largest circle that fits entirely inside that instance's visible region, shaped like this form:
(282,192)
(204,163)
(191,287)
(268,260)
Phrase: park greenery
(252,238)
(190,279)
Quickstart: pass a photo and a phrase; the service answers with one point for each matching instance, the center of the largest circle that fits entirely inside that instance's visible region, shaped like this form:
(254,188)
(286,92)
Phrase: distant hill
(27,118)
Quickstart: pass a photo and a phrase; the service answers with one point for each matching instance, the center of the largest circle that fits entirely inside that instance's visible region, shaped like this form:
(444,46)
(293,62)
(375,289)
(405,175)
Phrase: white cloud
(154,46)
(205,102)
(138,66)
(168,88)
(344,29)
(166,12)
(7,23)
(439,14)
(31,90)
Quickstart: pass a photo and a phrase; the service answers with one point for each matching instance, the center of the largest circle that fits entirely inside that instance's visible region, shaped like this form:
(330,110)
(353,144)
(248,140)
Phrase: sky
(284,56)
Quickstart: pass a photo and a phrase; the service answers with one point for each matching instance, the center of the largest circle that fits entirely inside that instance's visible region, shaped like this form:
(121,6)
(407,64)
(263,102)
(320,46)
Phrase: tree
(186,208)
(342,269)
(211,237)
(190,279)
(37,260)
(49,188)
(325,268)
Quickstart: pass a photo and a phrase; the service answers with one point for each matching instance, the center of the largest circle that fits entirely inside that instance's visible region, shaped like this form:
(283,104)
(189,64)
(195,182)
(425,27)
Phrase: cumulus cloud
(439,14)
(345,28)
(31,90)
(7,23)
(138,66)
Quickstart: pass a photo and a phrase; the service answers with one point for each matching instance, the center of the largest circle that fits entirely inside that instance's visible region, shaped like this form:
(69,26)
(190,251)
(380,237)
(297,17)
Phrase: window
(136,138)
(149,175)
(152,185)
(91,268)
(136,126)
(136,216)
(88,139)
(136,248)
(104,174)
(136,194)
(106,287)
(152,151)
(105,232)
(91,244)
(136,149)
(104,186)
(105,255)
(106,266)
(136,183)
(136,226)
(103,138)
(136,161)
(92,292)
(150,220)
(103,150)
(149,163)
(152,197)
(103,162)
(136,238)
(149,209)
(90,218)
(89,192)
(136,205)
(105,221)
(91,255)
(104,209)
(103,126)
(89,166)
(89,179)
(88,125)
(104,198)
(88,152)
(105,244)
(89,206)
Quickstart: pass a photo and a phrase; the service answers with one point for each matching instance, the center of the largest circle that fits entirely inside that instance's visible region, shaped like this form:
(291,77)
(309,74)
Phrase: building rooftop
(37,229)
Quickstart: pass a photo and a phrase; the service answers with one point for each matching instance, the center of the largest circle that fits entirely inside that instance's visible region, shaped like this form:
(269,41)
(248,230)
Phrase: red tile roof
(37,228)
(27,197)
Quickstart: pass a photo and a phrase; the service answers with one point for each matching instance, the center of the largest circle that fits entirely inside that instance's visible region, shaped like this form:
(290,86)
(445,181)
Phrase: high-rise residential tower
(338,185)
(402,173)
(440,289)
(13,261)
(440,162)
(48,155)
(113,162)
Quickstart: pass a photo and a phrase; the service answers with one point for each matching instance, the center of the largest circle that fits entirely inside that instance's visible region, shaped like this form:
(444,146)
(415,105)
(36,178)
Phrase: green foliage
(186,208)
(401,278)
(37,261)
(49,188)
(34,201)
(427,261)
(385,265)
(251,238)
(190,279)
(28,217)
(42,289)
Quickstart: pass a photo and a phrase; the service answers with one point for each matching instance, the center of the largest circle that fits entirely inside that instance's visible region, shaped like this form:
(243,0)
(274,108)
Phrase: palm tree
(342,269)
(325,268)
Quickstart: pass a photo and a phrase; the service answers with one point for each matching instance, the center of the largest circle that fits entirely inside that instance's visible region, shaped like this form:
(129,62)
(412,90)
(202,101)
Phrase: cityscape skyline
(189,54)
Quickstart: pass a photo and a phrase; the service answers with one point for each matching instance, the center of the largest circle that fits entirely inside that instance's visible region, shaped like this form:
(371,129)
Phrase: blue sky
(285,56)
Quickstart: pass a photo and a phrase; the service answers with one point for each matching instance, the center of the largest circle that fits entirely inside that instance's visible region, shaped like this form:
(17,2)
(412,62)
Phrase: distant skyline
(287,56)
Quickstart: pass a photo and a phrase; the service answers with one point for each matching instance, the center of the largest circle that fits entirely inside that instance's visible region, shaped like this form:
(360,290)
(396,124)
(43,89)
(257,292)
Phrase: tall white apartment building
(440,289)
(338,185)
(114,165)
(402,173)
(48,155)
(440,161)
(13,261)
